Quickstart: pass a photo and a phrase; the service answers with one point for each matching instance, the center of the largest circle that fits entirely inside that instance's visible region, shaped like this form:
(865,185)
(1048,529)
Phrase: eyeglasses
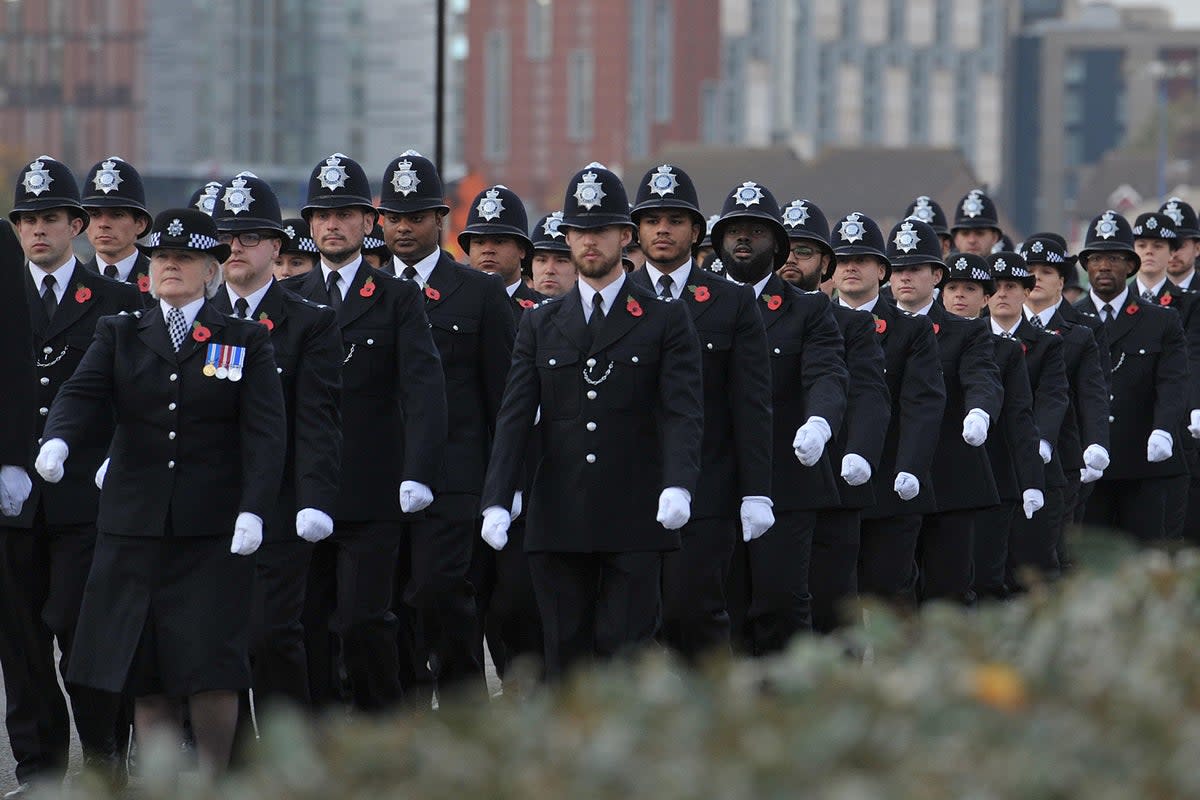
(803,251)
(245,238)
(1112,259)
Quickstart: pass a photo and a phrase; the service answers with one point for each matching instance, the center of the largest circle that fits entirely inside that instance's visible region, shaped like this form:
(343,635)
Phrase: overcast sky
(1186,12)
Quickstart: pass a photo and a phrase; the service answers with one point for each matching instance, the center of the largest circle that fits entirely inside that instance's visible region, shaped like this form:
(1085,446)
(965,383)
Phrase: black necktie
(335,291)
(596,323)
(241,308)
(49,299)
(409,273)
(1109,312)
(110,271)
(664,287)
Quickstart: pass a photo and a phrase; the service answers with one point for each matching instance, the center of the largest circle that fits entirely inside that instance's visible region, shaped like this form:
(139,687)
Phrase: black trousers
(695,618)
(993,530)
(349,604)
(1033,543)
(42,574)
(1136,507)
(1068,519)
(887,559)
(833,573)
(1175,505)
(513,624)
(769,598)
(277,651)
(944,556)
(595,605)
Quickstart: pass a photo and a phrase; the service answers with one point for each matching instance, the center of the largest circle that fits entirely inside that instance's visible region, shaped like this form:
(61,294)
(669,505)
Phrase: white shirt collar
(1154,290)
(924,312)
(346,273)
(762,285)
(424,267)
(252,299)
(1000,330)
(1186,283)
(62,277)
(189,311)
(124,266)
(867,306)
(609,293)
(1044,315)
(679,277)
(1117,302)
(512,287)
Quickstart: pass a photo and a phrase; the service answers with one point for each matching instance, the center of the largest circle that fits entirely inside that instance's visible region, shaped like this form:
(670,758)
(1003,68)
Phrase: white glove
(100,473)
(1089,475)
(15,487)
(1159,446)
(313,524)
(247,534)
(50,460)
(1045,451)
(810,440)
(1194,428)
(495,526)
(855,469)
(674,508)
(414,496)
(1096,458)
(1031,501)
(975,427)
(517,506)
(907,485)
(757,517)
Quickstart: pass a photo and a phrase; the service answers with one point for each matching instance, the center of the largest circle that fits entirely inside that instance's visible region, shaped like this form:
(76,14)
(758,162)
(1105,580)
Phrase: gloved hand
(1045,451)
(495,526)
(1031,501)
(674,508)
(810,440)
(907,485)
(1159,446)
(414,496)
(1194,427)
(100,473)
(1089,475)
(975,427)
(1095,458)
(15,487)
(855,469)
(50,460)
(757,517)
(313,524)
(517,506)
(247,534)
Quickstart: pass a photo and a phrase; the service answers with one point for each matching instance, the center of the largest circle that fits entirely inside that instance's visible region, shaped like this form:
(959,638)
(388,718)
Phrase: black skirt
(164,615)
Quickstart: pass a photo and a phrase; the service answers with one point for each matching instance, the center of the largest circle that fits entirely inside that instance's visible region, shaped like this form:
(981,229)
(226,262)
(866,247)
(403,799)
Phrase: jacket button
(279,370)
(170,407)
(552,361)
(709,345)
(776,351)
(43,411)
(591,426)
(591,458)
(591,362)
(370,341)
(47,350)
(45,381)
(634,359)
(1112,419)
(591,394)
(174,376)
(454,327)
(171,435)
(170,465)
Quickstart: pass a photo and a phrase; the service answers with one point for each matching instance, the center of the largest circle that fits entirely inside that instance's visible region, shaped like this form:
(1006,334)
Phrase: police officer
(205,198)
(375,250)
(553,270)
(116,205)
(297,250)
(618,379)
(1149,386)
(902,485)
(858,445)
(735,458)
(927,210)
(495,242)
(393,439)
(197,454)
(770,600)
(308,358)
(1182,266)
(46,551)
(16,361)
(976,226)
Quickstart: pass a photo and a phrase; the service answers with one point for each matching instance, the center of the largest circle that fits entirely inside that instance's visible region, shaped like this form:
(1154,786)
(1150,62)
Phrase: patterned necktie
(1148,295)
(1036,321)
(335,290)
(665,285)
(241,308)
(49,298)
(176,327)
(596,323)
(110,271)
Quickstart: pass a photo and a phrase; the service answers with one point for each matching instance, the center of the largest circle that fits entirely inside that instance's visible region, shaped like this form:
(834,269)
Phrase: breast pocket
(369,361)
(558,370)
(634,377)
(715,348)
(457,339)
(1136,362)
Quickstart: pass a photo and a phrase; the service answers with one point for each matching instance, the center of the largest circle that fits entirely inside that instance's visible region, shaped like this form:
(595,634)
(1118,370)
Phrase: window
(849,20)
(579,95)
(496,101)
(942,22)
(897,9)
(664,58)
(539,29)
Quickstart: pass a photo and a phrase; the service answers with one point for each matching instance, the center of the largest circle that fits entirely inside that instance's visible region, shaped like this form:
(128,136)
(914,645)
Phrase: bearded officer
(735,459)
(618,379)
(858,446)
(116,205)
(769,596)
(393,439)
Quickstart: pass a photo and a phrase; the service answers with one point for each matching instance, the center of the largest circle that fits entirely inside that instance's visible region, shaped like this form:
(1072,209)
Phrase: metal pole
(439,106)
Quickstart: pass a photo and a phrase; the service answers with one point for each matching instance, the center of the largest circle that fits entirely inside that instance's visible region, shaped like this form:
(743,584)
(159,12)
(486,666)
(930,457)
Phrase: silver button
(43,411)
(47,350)
(174,376)
(591,458)
(171,435)
(170,407)
(370,341)
(45,381)
(454,327)
(1111,398)
(591,426)
(591,362)
(710,345)
(591,394)
(279,370)
(776,351)
(552,361)
(1112,419)
(634,359)
(1141,352)
(170,465)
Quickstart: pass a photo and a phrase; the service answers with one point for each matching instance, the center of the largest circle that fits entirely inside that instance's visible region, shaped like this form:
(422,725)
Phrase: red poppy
(1024,347)
(368,288)
(632,307)
(143,283)
(700,293)
(523,303)
(1165,300)
(774,301)
(263,319)
(83,294)
(1131,310)
(432,293)
(880,325)
(200,333)
(937,328)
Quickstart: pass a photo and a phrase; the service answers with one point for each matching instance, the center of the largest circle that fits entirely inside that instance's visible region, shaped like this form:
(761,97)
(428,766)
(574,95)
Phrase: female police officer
(197,455)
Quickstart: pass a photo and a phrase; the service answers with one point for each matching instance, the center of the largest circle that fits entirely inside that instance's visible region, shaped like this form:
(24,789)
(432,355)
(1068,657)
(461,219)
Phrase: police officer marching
(496,242)
(116,205)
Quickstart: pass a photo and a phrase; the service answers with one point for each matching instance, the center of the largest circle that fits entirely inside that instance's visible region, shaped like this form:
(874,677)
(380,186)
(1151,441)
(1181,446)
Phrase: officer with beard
(769,596)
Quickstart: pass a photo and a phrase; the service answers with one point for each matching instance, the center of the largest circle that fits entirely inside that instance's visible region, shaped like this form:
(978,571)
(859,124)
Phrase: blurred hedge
(1090,690)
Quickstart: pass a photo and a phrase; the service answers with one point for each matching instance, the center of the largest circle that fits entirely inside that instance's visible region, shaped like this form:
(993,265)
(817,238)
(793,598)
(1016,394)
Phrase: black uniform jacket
(308,359)
(1086,420)
(138,277)
(1012,443)
(736,454)
(19,398)
(868,403)
(393,392)
(1048,379)
(622,418)
(190,450)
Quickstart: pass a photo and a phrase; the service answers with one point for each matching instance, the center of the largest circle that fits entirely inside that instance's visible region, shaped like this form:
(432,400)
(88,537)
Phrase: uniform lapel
(774,300)
(70,309)
(37,314)
(696,279)
(358,297)
(569,319)
(152,330)
(207,317)
(620,318)
(443,281)
(1124,321)
(272,307)
(883,312)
